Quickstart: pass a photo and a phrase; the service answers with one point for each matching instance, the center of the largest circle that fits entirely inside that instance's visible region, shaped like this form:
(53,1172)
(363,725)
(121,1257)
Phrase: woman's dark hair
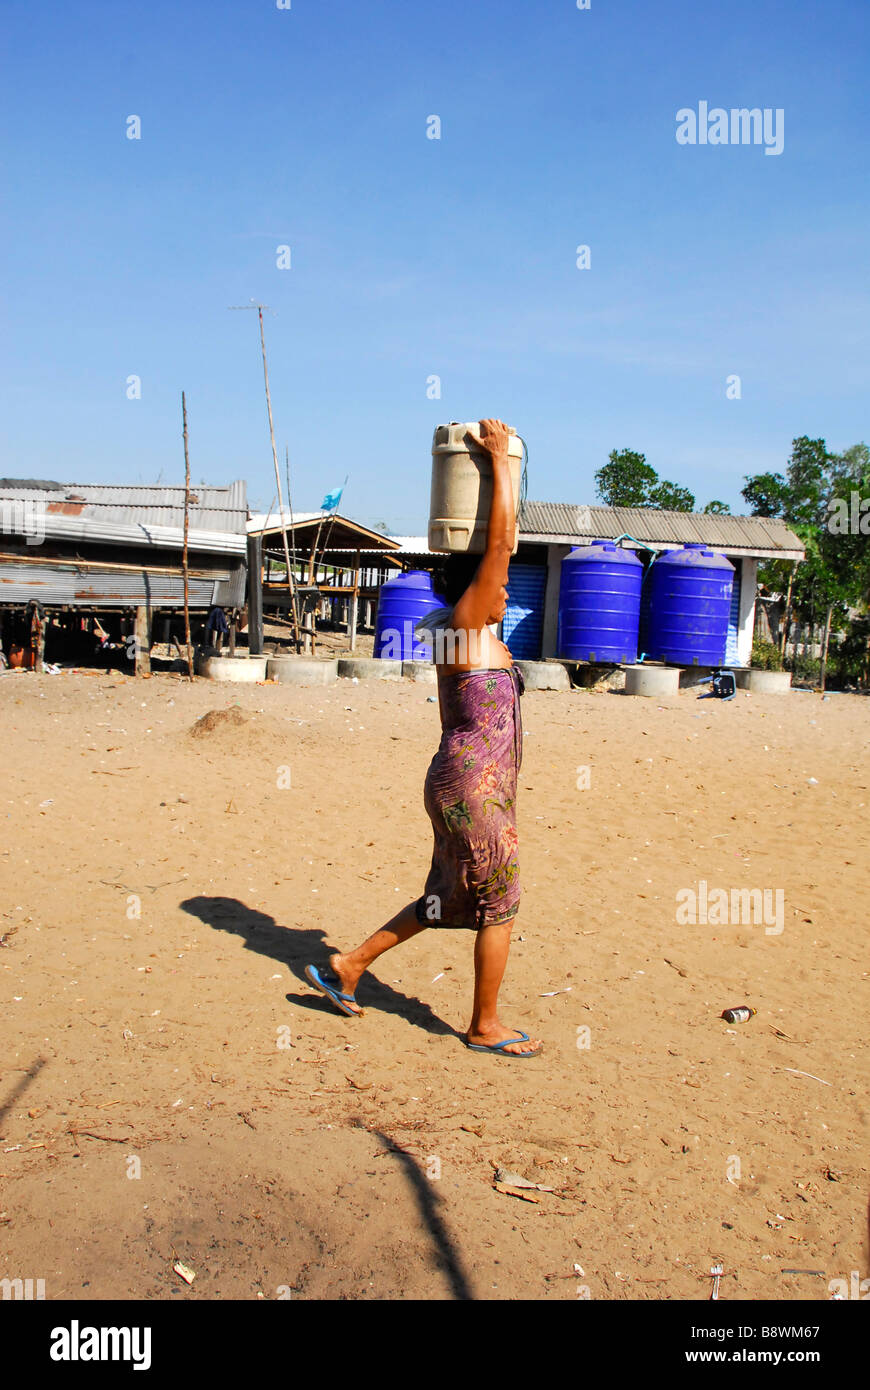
(453,576)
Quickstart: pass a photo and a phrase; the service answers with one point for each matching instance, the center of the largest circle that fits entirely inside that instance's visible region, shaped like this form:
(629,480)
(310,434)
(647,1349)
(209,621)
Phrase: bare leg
(352,964)
(491,947)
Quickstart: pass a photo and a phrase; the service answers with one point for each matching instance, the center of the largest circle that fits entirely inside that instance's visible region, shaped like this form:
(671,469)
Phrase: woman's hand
(495,435)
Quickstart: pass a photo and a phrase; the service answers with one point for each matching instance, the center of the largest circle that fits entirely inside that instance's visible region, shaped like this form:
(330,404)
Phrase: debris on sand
(234,731)
(510,1191)
(508,1179)
(218,719)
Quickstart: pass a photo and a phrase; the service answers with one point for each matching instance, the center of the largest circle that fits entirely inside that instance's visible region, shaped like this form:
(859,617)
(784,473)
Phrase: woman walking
(470,791)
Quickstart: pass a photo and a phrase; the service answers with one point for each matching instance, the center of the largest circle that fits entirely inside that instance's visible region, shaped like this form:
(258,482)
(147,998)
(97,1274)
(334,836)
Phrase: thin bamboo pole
(290,578)
(184,563)
(290,502)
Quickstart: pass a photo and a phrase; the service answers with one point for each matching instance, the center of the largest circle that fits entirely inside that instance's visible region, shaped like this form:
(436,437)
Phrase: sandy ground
(172,1088)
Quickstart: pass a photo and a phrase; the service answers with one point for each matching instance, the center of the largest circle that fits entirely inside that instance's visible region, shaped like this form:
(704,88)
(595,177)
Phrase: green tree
(847,522)
(854,465)
(717,509)
(670,497)
(834,579)
(810,480)
(766,494)
(626,480)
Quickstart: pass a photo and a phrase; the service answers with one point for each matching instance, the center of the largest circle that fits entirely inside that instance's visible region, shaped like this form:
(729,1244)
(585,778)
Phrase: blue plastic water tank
(689,604)
(402,602)
(599,603)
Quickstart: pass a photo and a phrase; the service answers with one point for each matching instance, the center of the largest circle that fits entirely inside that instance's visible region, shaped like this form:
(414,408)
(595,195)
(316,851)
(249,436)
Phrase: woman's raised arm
(473,611)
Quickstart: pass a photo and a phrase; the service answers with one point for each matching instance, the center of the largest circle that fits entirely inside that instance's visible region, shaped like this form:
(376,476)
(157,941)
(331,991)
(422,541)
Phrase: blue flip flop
(331,990)
(498,1048)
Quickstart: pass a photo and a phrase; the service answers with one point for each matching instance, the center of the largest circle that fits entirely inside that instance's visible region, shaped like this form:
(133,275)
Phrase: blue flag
(331,500)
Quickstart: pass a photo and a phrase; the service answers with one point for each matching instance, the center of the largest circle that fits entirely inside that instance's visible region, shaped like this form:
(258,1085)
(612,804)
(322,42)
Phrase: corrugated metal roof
(260,520)
(561,521)
(159,537)
(211,508)
(407,545)
(96,588)
(152,516)
(31,484)
(339,531)
(134,515)
(413,545)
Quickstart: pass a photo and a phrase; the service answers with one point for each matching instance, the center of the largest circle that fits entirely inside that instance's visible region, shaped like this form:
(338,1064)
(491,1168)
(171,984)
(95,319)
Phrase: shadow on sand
(428,1201)
(295,948)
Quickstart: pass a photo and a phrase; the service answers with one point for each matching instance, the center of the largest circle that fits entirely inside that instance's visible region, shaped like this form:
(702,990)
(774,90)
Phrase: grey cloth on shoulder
(438,620)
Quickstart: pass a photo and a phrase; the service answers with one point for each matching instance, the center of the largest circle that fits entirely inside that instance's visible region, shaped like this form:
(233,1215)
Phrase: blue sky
(413,257)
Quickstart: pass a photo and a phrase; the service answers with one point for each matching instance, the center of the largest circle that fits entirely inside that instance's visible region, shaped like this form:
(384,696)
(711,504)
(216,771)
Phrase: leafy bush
(806,667)
(848,658)
(765,655)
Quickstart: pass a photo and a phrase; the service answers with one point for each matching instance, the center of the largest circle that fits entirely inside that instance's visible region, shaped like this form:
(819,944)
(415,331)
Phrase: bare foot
(348,978)
(496,1033)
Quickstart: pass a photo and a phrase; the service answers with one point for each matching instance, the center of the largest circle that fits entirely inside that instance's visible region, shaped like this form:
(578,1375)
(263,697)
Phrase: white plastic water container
(461,493)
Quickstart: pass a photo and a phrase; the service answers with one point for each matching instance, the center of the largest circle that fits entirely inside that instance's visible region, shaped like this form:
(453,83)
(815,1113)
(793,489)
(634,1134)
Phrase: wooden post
(313,559)
(292,581)
(823,670)
(354,603)
(255,595)
(786,621)
(142,641)
(37,637)
(234,623)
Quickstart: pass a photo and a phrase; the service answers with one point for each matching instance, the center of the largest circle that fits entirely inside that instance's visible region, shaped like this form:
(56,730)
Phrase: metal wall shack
(78,549)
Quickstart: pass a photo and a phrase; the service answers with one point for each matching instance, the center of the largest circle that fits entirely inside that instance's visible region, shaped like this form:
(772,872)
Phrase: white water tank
(462,489)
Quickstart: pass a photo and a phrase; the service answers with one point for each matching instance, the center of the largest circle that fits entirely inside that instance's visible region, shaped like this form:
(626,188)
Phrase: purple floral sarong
(470,795)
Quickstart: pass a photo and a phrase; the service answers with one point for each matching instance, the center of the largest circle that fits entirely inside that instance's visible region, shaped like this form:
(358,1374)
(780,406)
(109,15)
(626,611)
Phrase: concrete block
(248,669)
(764,682)
(653,681)
(368,668)
(420,671)
(544,675)
(299,670)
